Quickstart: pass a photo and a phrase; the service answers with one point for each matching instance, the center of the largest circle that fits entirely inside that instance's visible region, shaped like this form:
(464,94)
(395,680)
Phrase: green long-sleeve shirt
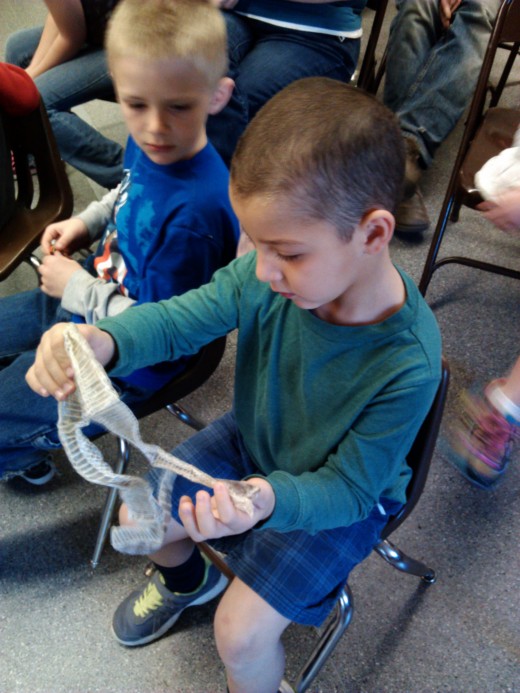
(327,412)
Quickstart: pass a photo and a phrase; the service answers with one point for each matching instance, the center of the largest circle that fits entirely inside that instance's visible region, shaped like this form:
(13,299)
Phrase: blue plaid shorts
(298,574)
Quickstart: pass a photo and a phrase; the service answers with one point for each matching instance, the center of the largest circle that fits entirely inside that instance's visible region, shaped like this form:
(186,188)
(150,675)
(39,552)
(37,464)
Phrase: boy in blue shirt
(164,230)
(338,361)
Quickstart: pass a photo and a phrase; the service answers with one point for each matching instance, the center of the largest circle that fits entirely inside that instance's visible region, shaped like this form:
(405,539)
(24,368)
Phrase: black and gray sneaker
(147,614)
(40,473)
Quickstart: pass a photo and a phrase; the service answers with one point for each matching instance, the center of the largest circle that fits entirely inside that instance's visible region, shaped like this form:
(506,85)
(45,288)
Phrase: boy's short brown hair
(333,149)
(190,30)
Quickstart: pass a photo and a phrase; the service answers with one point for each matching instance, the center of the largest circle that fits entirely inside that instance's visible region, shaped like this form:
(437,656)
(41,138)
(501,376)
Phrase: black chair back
(421,453)
(35,206)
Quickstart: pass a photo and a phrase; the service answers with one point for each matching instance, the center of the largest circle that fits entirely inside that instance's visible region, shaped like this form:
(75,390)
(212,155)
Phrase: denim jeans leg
(28,428)
(279,56)
(75,82)
(28,422)
(235,117)
(444,85)
(24,317)
(414,31)
(24,415)
(20,46)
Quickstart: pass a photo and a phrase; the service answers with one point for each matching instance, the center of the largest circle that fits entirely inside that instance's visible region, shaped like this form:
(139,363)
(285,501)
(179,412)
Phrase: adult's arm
(63,36)
(229,4)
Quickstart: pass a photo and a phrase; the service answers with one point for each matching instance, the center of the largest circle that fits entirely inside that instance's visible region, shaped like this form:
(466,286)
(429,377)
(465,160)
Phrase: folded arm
(63,36)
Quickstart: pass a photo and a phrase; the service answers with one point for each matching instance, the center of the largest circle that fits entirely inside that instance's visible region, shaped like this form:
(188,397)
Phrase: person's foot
(39,474)
(148,613)
(411,217)
(482,441)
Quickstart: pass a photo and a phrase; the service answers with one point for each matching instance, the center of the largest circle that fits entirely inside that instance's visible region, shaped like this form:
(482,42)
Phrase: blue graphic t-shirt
(172,227)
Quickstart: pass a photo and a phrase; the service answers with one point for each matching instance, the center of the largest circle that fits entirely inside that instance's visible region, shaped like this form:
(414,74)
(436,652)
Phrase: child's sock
(186,577)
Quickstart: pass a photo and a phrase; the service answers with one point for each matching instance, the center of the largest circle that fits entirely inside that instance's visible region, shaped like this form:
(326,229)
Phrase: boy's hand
(51,373)
(216,516)
(65,237)
(55,272)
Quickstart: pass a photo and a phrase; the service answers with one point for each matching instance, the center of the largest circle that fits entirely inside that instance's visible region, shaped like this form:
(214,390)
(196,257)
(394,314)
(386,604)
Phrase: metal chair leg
(121,465)
(402,562)
(496,92)
(431,260)
(335,628)
(108,510)
(35,262)
(185,416)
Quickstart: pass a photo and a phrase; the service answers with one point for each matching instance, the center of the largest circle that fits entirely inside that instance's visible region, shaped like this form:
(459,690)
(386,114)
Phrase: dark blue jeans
(263,59)
(28,422)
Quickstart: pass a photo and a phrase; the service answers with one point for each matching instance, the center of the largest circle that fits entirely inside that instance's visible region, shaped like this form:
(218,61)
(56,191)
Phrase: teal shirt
(327,412)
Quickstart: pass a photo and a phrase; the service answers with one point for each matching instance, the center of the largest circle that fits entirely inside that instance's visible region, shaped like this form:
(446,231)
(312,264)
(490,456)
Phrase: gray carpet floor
(462,634)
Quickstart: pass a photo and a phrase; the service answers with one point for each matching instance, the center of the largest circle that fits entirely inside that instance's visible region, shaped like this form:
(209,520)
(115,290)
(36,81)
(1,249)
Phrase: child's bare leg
(248,635)
(511,385)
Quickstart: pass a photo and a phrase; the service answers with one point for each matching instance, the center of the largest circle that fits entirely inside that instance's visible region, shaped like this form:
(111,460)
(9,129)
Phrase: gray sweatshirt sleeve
(97,215)
(93,298)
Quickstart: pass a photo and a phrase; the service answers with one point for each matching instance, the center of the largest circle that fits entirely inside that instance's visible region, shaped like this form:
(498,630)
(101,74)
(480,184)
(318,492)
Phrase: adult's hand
(446,10)
(504,211)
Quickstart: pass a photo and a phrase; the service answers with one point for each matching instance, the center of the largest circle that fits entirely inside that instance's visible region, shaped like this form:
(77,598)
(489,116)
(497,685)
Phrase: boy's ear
(221,95)
(378,226)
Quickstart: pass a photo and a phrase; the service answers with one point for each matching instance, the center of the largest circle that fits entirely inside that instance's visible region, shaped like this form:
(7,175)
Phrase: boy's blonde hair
(335,151)
(190,30)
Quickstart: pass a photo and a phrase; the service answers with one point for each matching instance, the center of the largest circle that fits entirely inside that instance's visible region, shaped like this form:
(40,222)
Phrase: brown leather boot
(412,169)
(411,216)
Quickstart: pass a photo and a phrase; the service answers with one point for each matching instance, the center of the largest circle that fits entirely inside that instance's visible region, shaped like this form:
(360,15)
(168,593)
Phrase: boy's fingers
(34,383)
(51,371)
(206,521)
(49,380)
(211,516)
(188,519)
(224,507)
(43,384)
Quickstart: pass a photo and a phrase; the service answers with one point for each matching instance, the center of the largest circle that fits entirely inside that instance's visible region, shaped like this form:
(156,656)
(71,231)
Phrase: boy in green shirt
(338,361)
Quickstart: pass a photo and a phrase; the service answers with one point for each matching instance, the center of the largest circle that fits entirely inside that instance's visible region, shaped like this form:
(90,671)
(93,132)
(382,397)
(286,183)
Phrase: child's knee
(236,638)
